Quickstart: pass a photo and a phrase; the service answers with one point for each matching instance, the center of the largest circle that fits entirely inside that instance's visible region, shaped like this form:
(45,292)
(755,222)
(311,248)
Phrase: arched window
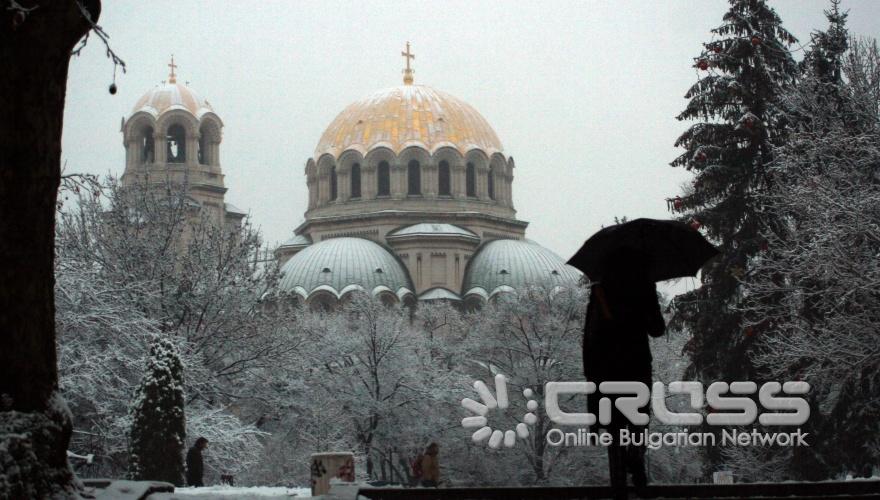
(384,179)
(356,180)
(148,152)
(202,154)
(414,178)
(471,180)
(491,184)
(176,141)
(333,187)
(443,179)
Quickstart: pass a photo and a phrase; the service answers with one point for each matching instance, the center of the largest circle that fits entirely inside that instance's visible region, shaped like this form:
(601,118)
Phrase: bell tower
(173,133)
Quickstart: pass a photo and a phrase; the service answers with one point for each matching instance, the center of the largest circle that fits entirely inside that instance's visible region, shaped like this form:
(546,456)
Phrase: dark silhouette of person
(195,465)
(622,313)
(431,466)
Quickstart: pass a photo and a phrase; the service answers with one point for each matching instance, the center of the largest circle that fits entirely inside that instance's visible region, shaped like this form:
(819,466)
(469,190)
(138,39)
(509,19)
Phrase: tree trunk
(34,423)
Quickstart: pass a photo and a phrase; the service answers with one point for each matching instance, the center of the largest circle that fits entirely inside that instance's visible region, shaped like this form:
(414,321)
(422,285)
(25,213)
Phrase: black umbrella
(672,249)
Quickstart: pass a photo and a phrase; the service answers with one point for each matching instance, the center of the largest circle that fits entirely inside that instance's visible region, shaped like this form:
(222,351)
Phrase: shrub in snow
(158,429)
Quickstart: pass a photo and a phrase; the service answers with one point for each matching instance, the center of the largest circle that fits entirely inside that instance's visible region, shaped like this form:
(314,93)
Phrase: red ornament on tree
(765,246)
(756,40)
(677,203)
(703,64)
(749,332)
(696,224)
(716,49)
(749,123)
(701,156)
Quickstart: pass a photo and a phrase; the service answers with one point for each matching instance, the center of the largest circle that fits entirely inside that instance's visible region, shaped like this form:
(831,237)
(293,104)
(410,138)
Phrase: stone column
(482,182)
(398,180)
(343,183)
(369,186)
(323,187)
(312,184)
(457,172)
(160,148)
(429,180)
(192,148)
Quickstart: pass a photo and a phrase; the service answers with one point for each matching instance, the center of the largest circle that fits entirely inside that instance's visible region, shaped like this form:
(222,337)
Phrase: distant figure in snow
(430,466)
(622,313)
(195,465)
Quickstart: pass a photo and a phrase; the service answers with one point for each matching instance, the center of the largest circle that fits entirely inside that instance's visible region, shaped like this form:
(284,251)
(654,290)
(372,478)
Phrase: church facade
(410,196)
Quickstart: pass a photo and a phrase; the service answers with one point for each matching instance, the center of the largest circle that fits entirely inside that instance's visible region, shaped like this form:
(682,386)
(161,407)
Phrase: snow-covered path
(233,492)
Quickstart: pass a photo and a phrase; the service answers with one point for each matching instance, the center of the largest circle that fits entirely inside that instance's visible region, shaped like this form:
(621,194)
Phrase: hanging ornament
(716,49)
(112,89)
(17,19)
(765,246)
(703,64)
(701,156)
(677,203)
(749,332)
(749,123)
(696,224)
(756,40)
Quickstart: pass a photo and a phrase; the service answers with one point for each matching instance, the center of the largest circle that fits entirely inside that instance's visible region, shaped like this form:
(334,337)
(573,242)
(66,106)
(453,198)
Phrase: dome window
(334,189)
(326,270)
(444,187)
(379,270)
(176,144)
(503,271)
(471,180)
(146,143)
(356,180)
(384,179)
(554,272)
(414,178)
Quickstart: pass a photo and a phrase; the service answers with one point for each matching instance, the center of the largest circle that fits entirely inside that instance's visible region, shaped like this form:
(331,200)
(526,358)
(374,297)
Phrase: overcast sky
(582,94)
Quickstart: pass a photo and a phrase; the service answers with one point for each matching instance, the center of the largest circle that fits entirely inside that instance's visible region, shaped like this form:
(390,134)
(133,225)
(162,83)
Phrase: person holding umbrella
(623,262)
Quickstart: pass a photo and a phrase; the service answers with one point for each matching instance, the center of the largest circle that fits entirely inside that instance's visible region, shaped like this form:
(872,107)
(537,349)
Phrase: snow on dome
(508,265)
(339,265)
(408,115)
(170,96)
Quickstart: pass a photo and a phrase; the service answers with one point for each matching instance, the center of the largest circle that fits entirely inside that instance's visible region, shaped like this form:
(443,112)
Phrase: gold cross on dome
(172,78)
(408,72)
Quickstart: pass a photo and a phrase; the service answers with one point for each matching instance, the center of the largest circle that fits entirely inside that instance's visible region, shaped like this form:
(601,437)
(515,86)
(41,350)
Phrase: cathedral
(410,196)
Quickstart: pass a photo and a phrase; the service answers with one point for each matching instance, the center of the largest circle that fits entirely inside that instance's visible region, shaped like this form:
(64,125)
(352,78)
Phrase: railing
(825,489)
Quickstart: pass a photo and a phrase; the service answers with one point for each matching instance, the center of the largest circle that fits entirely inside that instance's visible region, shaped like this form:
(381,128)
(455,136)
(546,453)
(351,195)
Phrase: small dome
(339,265)
(432,230)
(507,265)
(409,115)
(170,96)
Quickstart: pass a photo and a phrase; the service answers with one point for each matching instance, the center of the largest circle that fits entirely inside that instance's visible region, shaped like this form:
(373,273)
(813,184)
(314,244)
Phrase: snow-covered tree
(744,70)
(140,261)
(158,427)
(532,337)
(813,304)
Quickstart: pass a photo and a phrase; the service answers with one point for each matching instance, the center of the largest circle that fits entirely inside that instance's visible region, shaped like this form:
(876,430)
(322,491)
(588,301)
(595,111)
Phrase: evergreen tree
(158,428)
(744,71)
(824,59)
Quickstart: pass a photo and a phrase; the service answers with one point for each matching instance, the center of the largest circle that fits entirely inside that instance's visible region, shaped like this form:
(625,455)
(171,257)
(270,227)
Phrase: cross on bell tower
(408,72)
(172,78)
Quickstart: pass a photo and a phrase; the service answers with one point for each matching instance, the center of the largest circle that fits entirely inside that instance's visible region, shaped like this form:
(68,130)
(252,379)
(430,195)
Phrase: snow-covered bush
(158,426)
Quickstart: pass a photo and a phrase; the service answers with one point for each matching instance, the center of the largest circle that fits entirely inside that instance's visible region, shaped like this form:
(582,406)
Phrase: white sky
(582,94)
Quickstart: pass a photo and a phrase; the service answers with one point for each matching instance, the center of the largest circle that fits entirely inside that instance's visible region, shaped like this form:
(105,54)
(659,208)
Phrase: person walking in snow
(430,466)
(195,465)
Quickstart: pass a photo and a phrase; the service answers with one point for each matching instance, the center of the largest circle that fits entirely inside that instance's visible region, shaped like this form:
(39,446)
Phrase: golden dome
(409,115)
(171,96)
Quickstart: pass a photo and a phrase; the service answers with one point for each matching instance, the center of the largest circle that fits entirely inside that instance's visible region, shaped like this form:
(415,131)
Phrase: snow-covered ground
(230,492)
